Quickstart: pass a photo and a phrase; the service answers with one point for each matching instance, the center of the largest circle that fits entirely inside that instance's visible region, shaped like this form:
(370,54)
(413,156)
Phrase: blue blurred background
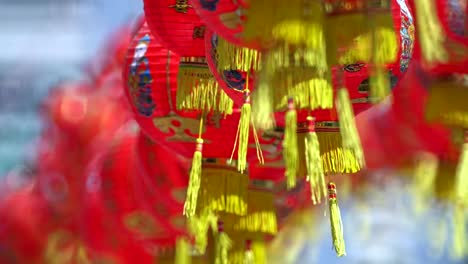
(45,41)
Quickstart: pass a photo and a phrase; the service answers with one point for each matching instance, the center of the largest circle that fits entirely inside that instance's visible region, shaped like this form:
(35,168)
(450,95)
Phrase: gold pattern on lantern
(199,32)
(177,126)
(181,6)
(142,224)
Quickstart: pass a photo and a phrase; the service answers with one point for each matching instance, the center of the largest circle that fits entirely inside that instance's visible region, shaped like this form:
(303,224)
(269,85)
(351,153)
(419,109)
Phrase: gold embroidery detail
(181,6)
(199,32)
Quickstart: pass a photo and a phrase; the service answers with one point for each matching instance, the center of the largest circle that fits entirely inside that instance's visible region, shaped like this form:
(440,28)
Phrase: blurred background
(45,41)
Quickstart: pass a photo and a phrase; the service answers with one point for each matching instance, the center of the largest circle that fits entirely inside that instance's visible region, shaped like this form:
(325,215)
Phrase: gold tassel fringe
(315,174)
(349,133)
(182,252)
(335,158)
(430,32)
(197,90)
(335,221)
(190,205)
(447,103)
(290,147)
(223,190)
(232,57)
(261,216)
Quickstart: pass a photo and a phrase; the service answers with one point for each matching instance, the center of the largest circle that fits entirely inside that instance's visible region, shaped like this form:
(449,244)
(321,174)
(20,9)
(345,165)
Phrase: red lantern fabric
(177,25)
(225,17)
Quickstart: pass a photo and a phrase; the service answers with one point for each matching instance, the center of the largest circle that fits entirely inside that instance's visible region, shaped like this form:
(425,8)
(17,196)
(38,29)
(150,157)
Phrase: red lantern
(179,29)
(115,196)
(150,74)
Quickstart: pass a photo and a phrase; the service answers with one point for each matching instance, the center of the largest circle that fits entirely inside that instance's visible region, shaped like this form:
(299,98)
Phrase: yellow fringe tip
(183,255)
(430,32)
(197,89)
(349,133)
(424,180)
(199,226)
(223,244)
(335,221)
(243,132)
(315,174)
(461,180)
(290,148)
(232,57)
(190,205)
(460,235)
(223,190)
(335,158)
(249,257)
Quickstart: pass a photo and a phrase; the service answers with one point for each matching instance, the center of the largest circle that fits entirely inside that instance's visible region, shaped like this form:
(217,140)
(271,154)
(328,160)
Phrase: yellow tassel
(199,226)
(335,158)
(348,128)
(335,221)
(190,205)
(243,132)
(461,180)
(424,180)
(232,57)
(315,174)
(290,151)
(182,252)
(197,89)
(249,257)
(430,33)
(223,244)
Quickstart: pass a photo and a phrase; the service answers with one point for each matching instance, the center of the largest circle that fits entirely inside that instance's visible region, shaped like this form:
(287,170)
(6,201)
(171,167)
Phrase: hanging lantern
(178,28)
(334,157)
(120,200)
